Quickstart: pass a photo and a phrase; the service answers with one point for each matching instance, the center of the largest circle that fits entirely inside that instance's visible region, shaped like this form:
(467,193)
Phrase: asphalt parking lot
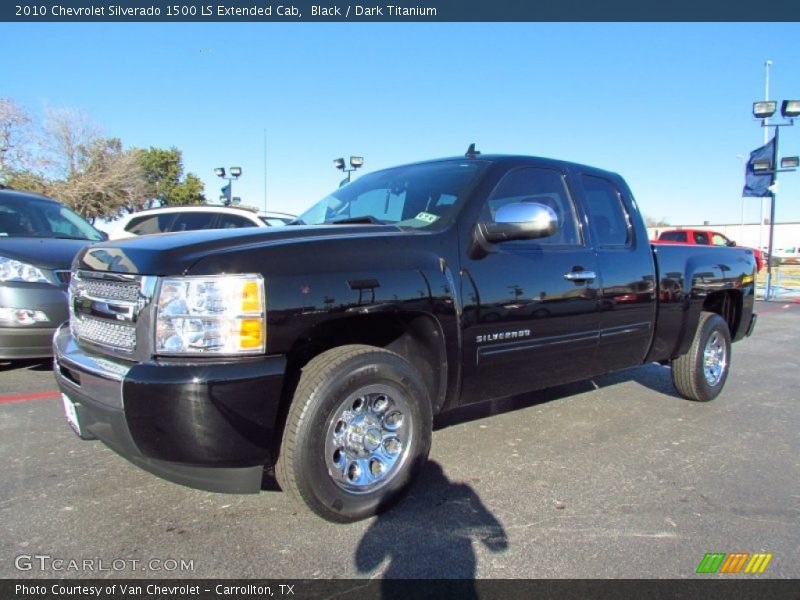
(616,477)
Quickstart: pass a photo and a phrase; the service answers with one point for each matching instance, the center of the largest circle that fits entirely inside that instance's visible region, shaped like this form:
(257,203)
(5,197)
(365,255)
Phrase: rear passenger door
(626,271)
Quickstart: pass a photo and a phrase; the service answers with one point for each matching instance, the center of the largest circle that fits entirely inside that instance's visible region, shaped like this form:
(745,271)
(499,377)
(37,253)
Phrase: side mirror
(520,221)
(731,243)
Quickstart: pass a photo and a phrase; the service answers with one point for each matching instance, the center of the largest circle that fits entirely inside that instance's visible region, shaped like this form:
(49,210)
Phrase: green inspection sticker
(427,217)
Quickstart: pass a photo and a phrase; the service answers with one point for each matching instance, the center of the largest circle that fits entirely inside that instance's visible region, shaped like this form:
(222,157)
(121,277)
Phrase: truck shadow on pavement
(430,534)
(652,376)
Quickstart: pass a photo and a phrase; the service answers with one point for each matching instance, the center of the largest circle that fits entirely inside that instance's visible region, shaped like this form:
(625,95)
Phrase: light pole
(769,166)
(227,191)
(356,162)
(767,66)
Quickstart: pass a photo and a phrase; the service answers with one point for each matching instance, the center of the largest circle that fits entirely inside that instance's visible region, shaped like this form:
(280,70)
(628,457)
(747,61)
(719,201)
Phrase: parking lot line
(23,397)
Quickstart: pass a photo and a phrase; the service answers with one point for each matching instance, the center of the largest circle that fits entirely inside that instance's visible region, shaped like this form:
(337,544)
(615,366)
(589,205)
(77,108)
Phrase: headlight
(13,270)
(22,316)
(219,315)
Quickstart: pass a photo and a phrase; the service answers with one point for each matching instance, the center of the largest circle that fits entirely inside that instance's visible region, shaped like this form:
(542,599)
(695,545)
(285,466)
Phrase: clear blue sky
(666,105)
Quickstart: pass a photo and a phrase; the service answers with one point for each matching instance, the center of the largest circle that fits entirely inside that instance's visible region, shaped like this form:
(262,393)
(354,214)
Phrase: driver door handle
(580,276)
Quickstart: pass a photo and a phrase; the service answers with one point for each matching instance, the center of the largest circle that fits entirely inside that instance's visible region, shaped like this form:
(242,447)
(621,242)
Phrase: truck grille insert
(120,337)
(104,309)
(110,290)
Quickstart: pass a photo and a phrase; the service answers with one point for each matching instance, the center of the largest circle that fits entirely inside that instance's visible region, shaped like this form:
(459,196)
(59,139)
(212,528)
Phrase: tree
(653,222)
(105,180)
(163,170)
(94,175)
(15,138)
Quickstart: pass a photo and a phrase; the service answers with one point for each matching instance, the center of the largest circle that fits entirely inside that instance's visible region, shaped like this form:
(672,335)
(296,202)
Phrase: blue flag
(226,191)
(757,184)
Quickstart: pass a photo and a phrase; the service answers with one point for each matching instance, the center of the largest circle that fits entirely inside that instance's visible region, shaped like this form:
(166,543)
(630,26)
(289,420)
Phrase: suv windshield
(413,196)
(32,217)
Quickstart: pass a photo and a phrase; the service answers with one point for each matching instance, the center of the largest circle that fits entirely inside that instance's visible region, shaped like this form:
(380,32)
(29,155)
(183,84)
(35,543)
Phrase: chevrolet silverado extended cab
(326,347)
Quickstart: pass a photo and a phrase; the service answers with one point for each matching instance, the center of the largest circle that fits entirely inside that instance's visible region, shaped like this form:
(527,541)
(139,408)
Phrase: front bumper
(207,425)
(17,343)
(31,341)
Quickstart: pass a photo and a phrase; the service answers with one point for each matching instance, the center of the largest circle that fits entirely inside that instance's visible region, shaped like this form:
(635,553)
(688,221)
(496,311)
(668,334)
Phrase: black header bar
(419,589)
(405,11)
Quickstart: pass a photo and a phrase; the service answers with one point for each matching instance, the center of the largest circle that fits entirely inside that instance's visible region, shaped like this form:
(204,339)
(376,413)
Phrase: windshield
(424,195)
(32,217)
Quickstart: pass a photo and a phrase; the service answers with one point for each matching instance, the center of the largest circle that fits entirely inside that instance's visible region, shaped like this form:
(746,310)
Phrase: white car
(788,256)
(189,218)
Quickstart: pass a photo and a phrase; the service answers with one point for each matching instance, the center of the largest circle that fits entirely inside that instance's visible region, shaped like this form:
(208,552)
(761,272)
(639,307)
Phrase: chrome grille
(104,309)
(110,290)
(106,333)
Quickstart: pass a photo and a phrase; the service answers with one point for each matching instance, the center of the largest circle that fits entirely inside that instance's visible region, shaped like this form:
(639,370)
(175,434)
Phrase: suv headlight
(211,315)
(14,270)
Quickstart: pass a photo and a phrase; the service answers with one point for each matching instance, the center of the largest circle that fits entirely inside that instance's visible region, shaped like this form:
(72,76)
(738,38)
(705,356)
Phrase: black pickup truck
(326,347)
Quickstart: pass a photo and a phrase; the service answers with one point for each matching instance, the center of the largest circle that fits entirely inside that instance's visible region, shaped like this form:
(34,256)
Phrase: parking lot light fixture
(227,191)
(790,162)
(356,162)
(761,165)
(769,166)
(790,109)
(764,109)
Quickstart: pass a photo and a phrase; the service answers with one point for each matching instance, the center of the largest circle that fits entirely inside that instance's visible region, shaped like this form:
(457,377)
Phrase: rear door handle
(580,276)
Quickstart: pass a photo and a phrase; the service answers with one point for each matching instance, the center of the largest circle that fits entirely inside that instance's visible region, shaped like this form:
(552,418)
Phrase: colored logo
(737,562)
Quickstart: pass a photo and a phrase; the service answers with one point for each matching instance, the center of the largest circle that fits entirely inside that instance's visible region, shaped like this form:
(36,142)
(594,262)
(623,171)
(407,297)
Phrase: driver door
(531,306)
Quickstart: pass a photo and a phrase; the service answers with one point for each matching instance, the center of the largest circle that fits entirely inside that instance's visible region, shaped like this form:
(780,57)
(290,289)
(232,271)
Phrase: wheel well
(414,336)
(728,305)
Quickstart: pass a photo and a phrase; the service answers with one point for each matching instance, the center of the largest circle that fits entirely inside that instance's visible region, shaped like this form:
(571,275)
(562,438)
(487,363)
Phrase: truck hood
(175,253)
(46,253)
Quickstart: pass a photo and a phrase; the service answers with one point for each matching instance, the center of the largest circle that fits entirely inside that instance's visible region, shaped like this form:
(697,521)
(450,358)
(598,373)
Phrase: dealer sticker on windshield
(427,217)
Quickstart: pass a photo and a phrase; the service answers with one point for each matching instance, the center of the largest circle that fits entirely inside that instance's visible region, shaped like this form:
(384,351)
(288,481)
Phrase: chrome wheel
(715,358)
(369,438)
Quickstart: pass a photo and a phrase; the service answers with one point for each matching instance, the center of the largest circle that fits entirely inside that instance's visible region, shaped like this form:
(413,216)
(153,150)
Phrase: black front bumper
(207,425)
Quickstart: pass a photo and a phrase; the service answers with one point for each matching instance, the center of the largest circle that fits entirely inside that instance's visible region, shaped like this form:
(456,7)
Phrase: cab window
(234,222)
(674,236)
(191,221)
(148,224)
(701,237)
(542,186)
(720,240)
(607,215)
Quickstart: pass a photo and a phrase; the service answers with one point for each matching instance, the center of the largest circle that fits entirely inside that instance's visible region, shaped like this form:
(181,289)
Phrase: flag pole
(773,194)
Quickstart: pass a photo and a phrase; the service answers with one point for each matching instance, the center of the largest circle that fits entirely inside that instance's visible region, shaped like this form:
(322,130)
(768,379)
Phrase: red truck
(703,237)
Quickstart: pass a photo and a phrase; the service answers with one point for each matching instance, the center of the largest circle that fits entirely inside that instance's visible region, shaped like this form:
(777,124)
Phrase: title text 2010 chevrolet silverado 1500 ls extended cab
(326,347)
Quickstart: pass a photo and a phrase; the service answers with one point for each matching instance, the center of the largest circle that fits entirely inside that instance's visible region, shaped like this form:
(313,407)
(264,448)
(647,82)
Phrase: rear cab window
(609,220)
(674,236)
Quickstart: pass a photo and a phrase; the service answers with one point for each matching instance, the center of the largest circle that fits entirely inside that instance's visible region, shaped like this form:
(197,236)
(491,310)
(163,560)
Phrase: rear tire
(700,374)
(357,432)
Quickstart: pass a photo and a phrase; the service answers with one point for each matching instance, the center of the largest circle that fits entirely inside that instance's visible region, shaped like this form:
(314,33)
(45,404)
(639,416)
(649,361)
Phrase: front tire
(358,430)
(700,374)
